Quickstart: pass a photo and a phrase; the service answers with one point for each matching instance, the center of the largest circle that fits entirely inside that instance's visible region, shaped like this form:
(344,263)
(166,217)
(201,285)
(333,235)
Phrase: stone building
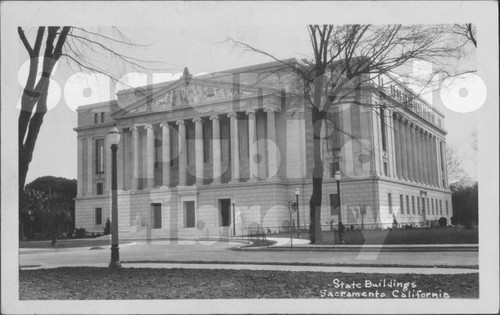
(225,152)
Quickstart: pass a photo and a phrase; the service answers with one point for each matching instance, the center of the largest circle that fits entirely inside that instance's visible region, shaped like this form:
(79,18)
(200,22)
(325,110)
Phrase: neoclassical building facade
(225,153)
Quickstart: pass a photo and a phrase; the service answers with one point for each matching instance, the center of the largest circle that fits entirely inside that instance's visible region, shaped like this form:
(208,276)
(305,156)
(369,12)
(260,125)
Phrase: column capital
(148,126)
(134,128)
(179,122)
(250,111)
(164,124)
(197,119)
(232,114)
(214,116)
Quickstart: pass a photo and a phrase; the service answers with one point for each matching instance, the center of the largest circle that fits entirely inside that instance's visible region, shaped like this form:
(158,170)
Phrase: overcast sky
(184,34)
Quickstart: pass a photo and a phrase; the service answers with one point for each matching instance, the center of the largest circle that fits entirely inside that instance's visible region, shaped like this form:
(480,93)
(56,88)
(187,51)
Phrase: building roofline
(212,75)
(96,105)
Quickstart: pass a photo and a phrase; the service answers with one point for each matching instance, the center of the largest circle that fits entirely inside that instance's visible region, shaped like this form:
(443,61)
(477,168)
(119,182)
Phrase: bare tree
(347,60)
(467,30)
(454,167)
(74,44)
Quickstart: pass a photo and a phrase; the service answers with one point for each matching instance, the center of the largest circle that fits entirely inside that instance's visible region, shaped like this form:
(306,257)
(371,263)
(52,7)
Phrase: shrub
(107,227)
(80,233)
(443,221)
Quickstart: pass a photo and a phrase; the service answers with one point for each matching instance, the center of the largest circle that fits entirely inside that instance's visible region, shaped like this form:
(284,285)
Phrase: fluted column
(235,152)
(150,158)
(135,174)
(409,153)
(431,161)
(438,163)
(435,161)
(426,159)
(165,153)
(404,158)
(392,148)
(216,149)
(414,153)
(80,167)
(272,145)
(419,155)
(252,146)
(397,147)
(182,152)
(198,148)
(90,166)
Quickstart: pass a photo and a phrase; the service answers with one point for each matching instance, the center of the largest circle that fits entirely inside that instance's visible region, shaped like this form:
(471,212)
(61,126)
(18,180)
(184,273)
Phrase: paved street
(224,252)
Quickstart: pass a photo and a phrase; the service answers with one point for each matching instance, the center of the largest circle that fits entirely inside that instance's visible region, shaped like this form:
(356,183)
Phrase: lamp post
(341,227)
(32,218)
(290,209)
(234,225)
(297,192)
(114,138)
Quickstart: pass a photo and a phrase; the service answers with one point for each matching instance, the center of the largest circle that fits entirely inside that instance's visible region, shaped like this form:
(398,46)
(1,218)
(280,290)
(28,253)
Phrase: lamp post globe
(114,139)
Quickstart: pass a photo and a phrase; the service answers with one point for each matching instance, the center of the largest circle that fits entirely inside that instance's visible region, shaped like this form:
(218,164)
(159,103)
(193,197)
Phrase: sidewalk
(298,244)
(210,266)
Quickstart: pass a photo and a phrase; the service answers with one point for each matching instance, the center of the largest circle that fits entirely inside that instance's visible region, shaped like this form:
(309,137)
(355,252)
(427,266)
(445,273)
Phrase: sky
(195,37)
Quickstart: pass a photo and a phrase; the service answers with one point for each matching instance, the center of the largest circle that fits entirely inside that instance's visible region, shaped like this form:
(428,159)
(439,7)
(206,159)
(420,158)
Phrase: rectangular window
(99,155)
(102,117)
(432,206)
(413,204)
(96,118)
(428,206)
(440,207)
(334,204)
(446,203)
(389,198)
(418,205)
(407,204)
(98,216)
(386,172)
(401,204)
(189,215)
(99,190)
(224,212)
(423,206)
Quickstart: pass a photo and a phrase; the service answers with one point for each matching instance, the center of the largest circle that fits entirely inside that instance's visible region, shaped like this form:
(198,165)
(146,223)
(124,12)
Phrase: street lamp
(114,139)
(297,192)
(234,225)
(32,218)
(341,227)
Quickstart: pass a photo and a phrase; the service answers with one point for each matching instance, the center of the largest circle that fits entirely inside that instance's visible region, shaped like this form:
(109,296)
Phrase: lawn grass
(69,243)
(87,283)
(421,236)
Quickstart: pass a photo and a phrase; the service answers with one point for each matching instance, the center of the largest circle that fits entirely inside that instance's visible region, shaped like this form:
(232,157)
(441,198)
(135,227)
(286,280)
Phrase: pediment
(198,92)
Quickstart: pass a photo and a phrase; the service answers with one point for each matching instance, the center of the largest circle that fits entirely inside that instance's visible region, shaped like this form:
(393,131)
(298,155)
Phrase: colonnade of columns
(417,155)
(199,149)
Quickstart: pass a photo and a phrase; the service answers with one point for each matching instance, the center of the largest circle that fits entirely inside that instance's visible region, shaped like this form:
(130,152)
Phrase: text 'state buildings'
(193,153)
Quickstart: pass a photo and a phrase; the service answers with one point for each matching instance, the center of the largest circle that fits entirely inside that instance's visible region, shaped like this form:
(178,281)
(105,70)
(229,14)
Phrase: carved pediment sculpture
(193,94)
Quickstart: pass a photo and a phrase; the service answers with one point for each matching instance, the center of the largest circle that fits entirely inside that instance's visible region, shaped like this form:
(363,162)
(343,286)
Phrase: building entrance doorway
(156,215)
(224,212)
